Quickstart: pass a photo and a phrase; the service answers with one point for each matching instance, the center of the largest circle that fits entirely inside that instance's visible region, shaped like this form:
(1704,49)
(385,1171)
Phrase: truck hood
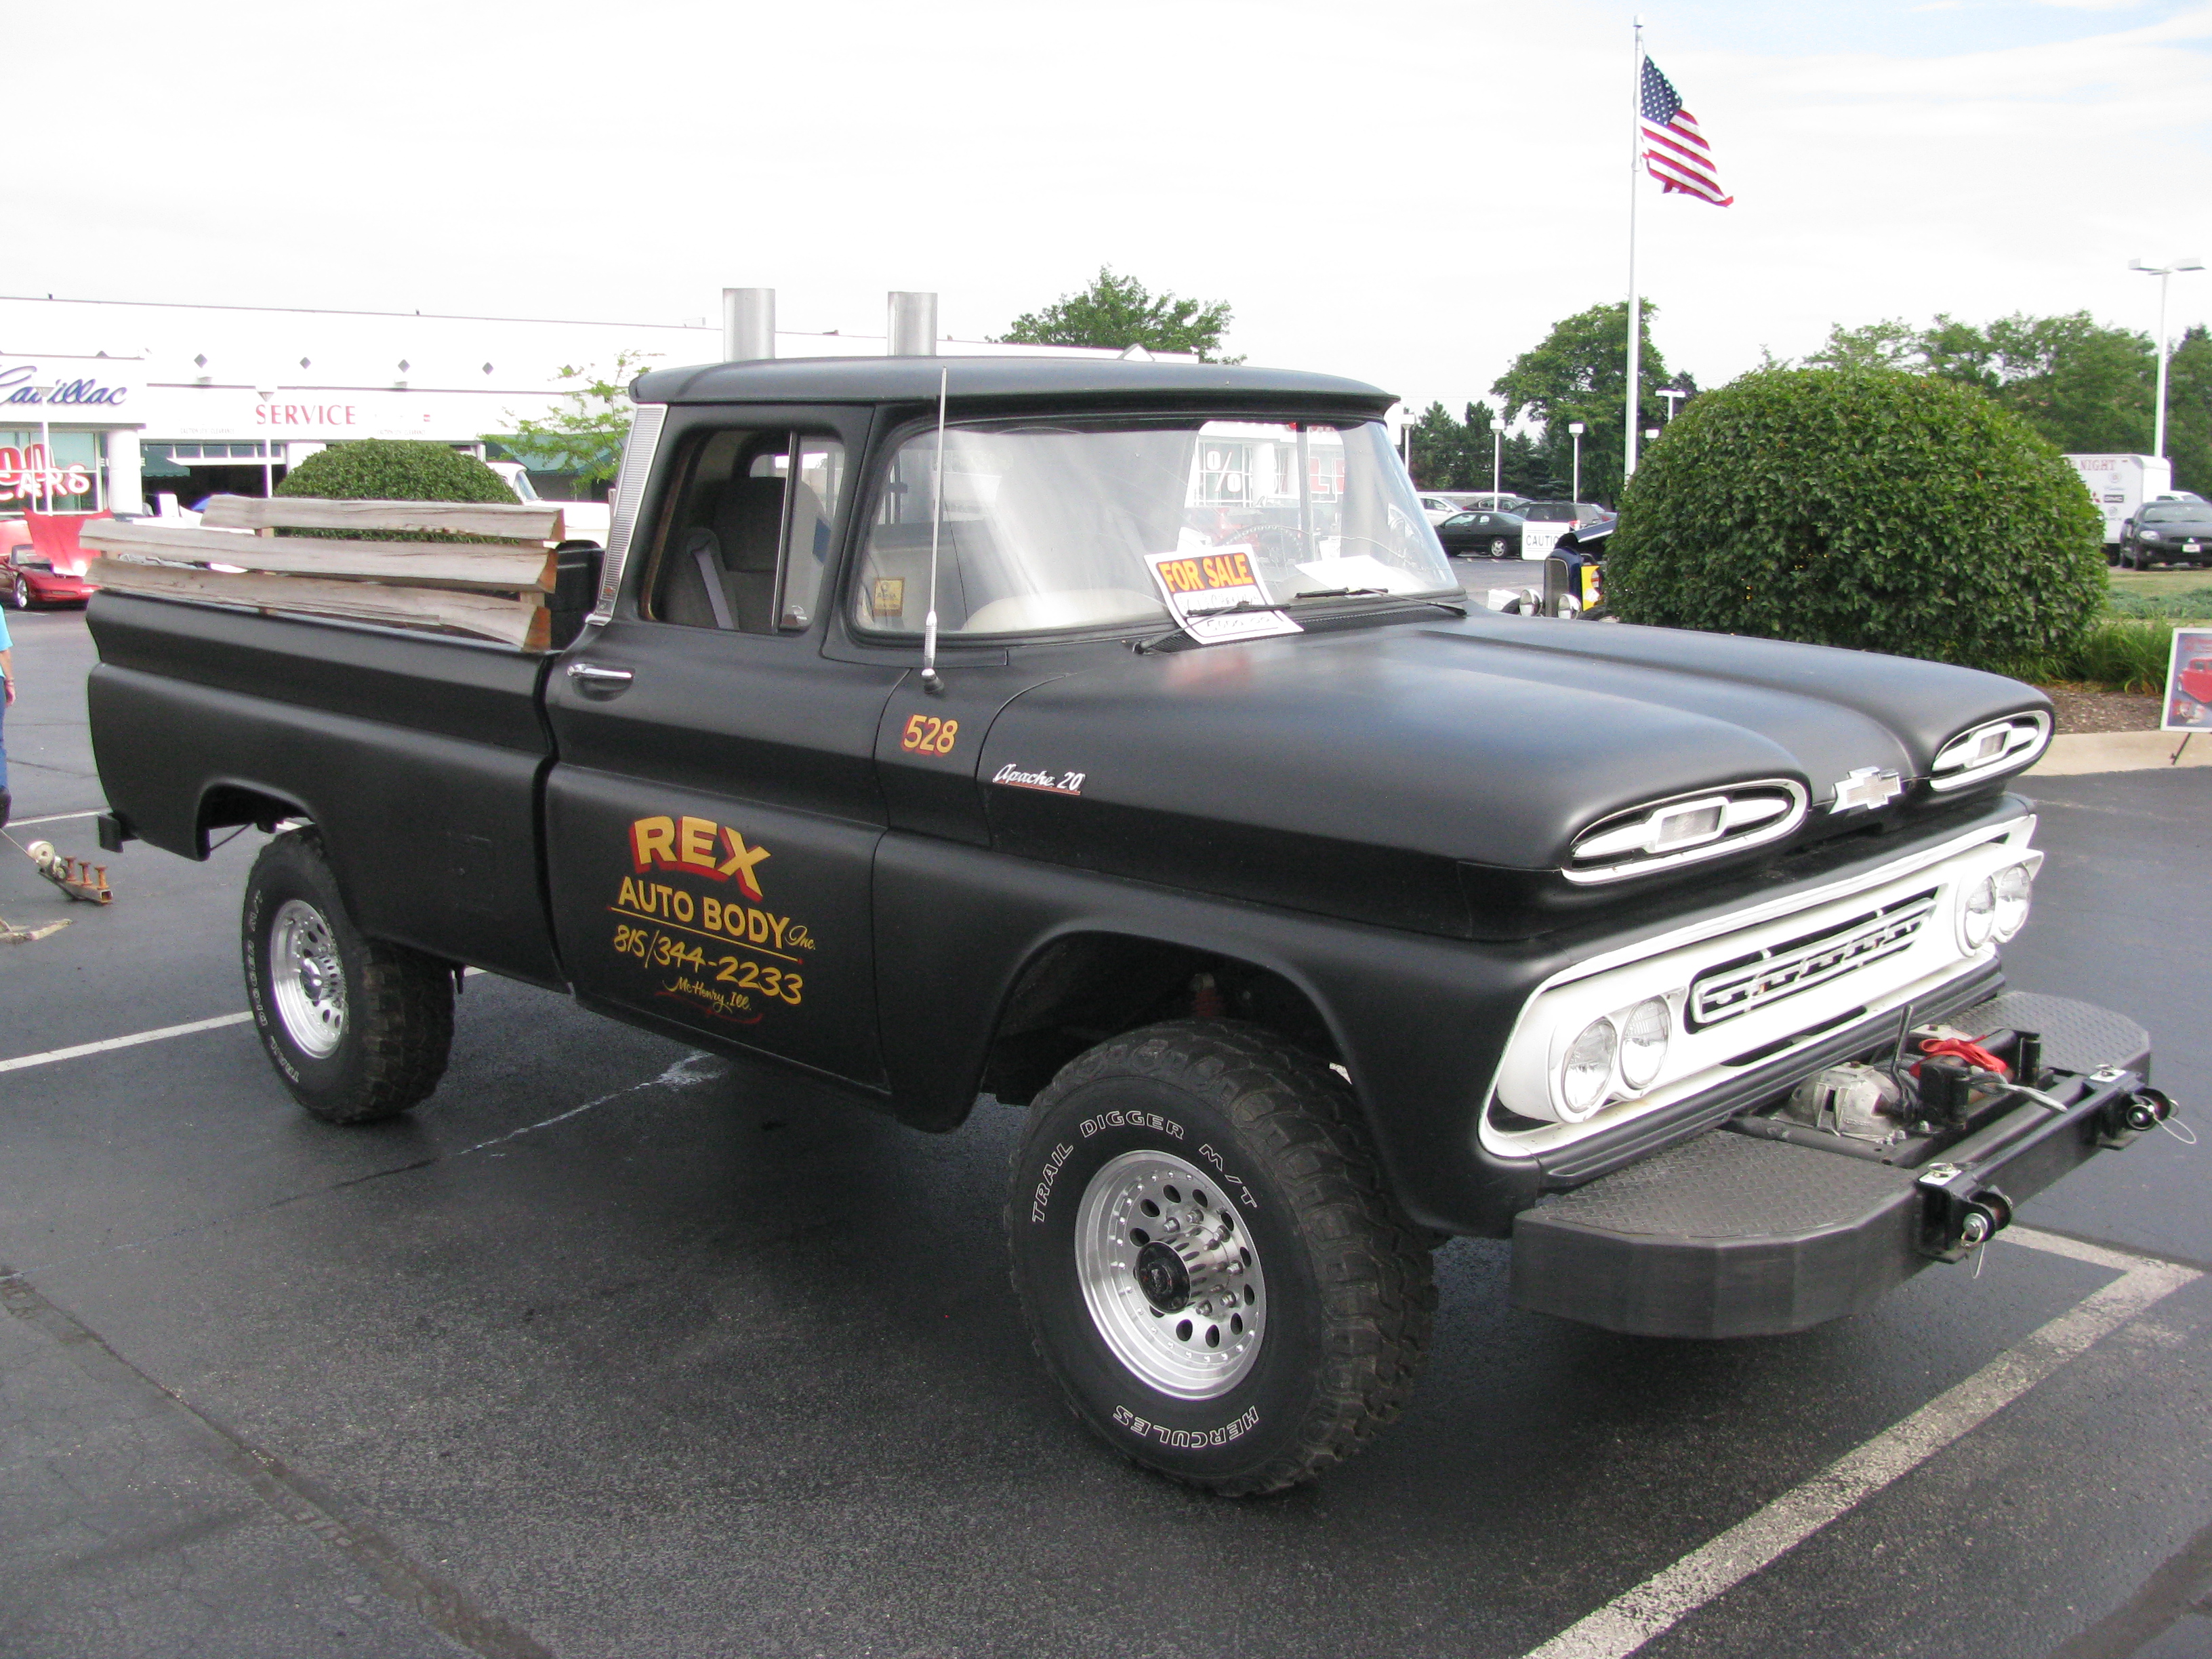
(1394,757)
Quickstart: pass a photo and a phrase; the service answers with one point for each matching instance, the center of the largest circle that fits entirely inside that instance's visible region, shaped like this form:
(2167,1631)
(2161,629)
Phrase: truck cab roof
(1015,380)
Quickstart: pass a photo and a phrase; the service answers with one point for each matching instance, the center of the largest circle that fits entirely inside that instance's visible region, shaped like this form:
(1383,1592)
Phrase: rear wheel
(1498,546)
(358,1030)
(1208,1258)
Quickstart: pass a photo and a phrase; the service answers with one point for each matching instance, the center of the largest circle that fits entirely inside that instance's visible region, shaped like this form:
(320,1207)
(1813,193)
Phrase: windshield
(519,481)
(1048,525)
(2182,514)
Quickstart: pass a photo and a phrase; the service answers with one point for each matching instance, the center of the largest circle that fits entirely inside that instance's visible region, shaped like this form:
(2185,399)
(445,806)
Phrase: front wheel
(358,1030)
(19,591)
(1209,1260)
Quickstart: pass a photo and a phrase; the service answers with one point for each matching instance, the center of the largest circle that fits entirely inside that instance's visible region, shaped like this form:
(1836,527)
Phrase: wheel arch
(227,803)
(1084,984)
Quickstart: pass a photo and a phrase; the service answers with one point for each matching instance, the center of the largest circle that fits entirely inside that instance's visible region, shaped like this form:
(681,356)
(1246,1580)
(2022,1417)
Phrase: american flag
(1677,154)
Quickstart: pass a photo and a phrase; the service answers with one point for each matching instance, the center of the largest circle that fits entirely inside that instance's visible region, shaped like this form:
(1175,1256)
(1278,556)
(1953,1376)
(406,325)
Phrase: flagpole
(1635,317)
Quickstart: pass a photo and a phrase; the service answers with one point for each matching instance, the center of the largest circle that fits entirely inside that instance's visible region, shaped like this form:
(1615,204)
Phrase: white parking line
(137,1038)
(131,1042)
(1656,1605)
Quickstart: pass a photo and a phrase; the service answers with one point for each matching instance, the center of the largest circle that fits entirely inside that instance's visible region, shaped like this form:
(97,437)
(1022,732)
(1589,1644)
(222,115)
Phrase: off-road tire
(398,1003)
(1349,1296)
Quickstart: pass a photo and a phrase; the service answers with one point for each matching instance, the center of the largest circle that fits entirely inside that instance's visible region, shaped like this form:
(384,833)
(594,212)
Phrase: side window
(751,541)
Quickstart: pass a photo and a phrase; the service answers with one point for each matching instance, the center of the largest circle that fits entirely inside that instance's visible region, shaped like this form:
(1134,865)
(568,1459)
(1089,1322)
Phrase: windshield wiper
(1337,592)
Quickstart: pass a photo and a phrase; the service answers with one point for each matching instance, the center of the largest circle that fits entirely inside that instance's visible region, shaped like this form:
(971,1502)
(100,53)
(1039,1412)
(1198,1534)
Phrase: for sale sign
(2189,681)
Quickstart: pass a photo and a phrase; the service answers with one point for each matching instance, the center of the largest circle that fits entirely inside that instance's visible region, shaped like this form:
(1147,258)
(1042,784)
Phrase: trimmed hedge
(393,470)
(1862,507)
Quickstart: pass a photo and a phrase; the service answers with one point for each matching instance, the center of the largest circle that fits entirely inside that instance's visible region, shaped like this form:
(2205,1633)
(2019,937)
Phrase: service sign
(2189,682)
(1215,595)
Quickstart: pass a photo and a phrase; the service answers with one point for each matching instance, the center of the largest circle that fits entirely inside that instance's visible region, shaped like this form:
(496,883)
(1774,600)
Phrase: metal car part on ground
(1113,738)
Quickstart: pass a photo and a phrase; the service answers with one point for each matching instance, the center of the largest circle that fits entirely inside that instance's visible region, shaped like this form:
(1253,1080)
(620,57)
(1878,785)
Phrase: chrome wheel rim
(306,979)
(1169,1275)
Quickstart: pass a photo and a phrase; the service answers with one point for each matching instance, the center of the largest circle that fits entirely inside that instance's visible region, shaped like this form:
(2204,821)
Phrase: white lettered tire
(1208,1258)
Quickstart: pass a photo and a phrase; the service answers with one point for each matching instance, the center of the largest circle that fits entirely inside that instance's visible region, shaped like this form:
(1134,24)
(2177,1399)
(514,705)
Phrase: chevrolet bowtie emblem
(1870,786)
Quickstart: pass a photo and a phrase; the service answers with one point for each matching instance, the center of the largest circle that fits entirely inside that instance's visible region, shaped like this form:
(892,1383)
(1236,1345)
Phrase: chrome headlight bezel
(1969,757)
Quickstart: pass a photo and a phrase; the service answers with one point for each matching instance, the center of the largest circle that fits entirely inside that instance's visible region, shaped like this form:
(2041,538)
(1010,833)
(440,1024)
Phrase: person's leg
(7,802)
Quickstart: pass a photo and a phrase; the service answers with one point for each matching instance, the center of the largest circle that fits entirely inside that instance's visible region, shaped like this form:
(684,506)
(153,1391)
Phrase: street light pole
(2158,430)
(1497,466)
(1575,429)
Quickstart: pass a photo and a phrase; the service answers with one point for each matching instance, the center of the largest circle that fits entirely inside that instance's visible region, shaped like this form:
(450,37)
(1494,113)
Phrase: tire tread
(1378,1296)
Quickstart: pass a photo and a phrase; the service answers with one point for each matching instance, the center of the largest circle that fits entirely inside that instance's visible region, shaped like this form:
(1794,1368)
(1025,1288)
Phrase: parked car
(1481,535)
(2167,532)
(585,522)
(43,563)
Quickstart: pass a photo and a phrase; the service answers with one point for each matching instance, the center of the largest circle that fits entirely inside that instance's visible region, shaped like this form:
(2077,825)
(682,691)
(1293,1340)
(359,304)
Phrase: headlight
(1643,1037)
(1977,914)
(1586,1071)
(2015,884)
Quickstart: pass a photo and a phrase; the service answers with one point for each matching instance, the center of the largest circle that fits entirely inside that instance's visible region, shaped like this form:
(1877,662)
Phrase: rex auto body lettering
(697,846)
(723,950)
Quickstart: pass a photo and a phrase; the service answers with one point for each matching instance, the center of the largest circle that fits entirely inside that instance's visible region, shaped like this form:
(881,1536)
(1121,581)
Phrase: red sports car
(44,564)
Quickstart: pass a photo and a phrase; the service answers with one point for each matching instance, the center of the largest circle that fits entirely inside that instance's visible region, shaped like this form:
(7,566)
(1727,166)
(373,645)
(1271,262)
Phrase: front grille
(1783,970)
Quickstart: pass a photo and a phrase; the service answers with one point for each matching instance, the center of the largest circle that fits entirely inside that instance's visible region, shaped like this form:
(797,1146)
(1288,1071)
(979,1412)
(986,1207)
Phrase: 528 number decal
(926,734)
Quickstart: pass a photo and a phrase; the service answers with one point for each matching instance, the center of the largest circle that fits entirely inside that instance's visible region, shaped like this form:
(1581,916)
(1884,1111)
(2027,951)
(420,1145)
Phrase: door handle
(590,676)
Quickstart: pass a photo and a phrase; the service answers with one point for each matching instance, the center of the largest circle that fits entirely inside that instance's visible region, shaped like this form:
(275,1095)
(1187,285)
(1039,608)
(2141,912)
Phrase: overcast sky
(1405,191)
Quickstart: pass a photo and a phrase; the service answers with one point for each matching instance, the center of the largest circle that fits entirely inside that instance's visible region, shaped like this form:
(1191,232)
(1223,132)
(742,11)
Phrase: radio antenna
(932,682)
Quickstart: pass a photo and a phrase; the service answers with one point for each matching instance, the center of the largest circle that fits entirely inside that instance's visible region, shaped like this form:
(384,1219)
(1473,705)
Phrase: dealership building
(138,401)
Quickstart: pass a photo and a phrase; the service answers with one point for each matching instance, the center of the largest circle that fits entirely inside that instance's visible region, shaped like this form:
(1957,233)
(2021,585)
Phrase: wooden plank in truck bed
(524,522)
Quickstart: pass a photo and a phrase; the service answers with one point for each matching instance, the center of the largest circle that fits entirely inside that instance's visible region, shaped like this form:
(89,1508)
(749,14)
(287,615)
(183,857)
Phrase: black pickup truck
(1112,739)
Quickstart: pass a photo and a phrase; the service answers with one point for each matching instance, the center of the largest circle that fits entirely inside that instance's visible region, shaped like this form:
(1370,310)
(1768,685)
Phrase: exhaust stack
(913,326)
(748,324)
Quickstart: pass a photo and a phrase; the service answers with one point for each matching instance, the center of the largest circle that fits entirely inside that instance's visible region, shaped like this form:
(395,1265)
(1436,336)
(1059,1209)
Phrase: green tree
(1580,373)
(2085,387)
(1891,344)
(2189,411)
(1449,454)
(1119,312)
(1868,507)
(584,433)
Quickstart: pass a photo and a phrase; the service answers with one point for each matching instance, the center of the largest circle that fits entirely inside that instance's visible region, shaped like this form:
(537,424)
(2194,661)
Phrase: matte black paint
(1371,812)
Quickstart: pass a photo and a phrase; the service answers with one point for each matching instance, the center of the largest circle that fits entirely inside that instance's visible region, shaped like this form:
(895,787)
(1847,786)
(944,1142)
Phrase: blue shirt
(6,644)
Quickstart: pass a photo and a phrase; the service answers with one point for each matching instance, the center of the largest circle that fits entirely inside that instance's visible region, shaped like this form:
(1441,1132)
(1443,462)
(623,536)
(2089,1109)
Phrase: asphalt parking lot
(614,1348)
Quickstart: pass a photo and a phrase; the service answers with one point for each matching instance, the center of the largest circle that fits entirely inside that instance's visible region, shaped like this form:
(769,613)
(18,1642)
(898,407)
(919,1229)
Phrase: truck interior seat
(724,574)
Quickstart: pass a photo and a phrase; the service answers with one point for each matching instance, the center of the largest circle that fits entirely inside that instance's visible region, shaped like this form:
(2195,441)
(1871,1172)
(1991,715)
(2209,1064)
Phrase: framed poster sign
(2189,682)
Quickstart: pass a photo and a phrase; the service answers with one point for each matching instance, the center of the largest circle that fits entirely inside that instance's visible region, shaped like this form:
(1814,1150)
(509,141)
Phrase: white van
(2121,484)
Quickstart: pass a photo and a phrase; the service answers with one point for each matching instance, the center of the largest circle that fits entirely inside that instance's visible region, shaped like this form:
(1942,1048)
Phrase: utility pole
(2157,433)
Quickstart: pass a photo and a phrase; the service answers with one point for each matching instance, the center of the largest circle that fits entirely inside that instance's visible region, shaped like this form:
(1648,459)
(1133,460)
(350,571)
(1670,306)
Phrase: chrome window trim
(638,453)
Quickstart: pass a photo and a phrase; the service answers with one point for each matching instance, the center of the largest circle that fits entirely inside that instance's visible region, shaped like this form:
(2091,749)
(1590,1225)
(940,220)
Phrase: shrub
(2124,654)
(1863,508)
(393,470)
